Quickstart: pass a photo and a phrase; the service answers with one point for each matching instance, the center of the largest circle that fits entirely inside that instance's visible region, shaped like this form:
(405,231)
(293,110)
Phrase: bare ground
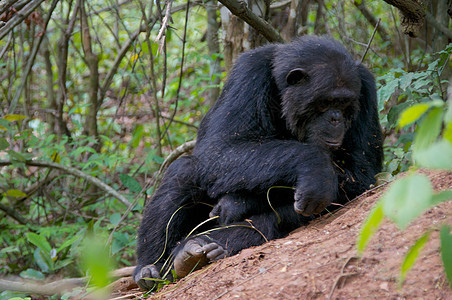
(320,261)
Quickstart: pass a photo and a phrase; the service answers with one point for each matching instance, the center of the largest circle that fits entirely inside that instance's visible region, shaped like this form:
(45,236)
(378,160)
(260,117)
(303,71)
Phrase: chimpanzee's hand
(317,187)
(230,209)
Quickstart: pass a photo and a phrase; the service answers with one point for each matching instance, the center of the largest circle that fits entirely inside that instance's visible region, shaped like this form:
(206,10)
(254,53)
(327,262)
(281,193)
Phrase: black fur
(300,115)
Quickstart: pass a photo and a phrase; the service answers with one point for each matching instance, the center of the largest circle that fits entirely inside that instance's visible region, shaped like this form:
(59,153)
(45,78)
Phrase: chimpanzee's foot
(195,254)
(144,277)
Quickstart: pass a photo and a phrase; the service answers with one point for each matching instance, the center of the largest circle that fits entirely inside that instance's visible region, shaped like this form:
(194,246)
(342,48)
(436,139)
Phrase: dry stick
(75,172)
(31,59)
(55,287)
(371,39)
(48,289)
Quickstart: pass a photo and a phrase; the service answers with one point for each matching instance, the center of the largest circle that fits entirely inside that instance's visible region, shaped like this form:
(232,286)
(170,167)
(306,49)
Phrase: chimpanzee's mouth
(333,145)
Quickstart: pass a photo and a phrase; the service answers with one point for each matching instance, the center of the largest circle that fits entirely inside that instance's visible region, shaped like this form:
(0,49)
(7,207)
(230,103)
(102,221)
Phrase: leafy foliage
(431,147)
(46,214)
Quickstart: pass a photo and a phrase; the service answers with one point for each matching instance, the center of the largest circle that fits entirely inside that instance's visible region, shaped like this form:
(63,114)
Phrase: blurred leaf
(412,114)
(16,193)
(137,136)
(16,156)
(13,118)
(446,251)
(32,274)
(130,183)
(55,157)
(67,243)
(120,241)
(436,156)
(115,218)
(441,197)
(3,144)
(96,260)
(412,255)
(429,129)
(39,241)
(370,226)
(43,262)
(395,112)
(158,159)
(448,131)
(407,198)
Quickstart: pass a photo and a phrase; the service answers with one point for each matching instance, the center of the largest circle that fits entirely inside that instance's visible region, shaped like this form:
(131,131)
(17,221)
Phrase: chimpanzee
(295,129)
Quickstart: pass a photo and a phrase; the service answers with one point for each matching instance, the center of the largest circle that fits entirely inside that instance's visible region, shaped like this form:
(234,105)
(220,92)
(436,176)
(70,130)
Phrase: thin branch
(181,75)
(32,57)
(370,40)
(241,10)
(13,214)
(19,17)
(74,172)
(112,71)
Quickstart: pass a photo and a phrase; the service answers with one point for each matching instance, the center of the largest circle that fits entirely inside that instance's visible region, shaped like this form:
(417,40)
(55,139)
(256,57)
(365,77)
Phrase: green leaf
(370,226)
(115,218)
(39,241)
(67,243)
(447,133)
(16,193)
(441,197)
(446,251)
(32,274)
(42,260)
(13,118)
(130,183)
(137,136)
(3,144)
(436,156)
(120,241)
(412,114)
(407,198)
(412,255)
(429,129)
(96,260)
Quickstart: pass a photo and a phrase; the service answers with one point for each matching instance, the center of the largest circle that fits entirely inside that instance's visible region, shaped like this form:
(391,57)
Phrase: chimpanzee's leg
(173,211)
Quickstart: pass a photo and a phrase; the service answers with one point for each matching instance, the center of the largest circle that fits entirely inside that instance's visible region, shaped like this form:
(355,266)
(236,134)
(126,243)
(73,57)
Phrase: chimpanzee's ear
(296,76)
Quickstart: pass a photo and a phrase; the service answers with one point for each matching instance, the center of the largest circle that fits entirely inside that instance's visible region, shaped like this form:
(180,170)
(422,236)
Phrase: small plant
(410,196)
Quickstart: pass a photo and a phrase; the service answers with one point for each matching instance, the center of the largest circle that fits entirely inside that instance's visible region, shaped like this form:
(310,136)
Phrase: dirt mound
(320,261)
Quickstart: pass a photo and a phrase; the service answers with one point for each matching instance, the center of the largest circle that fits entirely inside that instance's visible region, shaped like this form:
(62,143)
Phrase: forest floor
(320,261)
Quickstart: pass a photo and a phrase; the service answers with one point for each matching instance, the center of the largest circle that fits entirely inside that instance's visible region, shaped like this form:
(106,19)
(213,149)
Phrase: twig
(20,16)
(181,75)
(32,57)
(371,39)
(75,172)
(165,21)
